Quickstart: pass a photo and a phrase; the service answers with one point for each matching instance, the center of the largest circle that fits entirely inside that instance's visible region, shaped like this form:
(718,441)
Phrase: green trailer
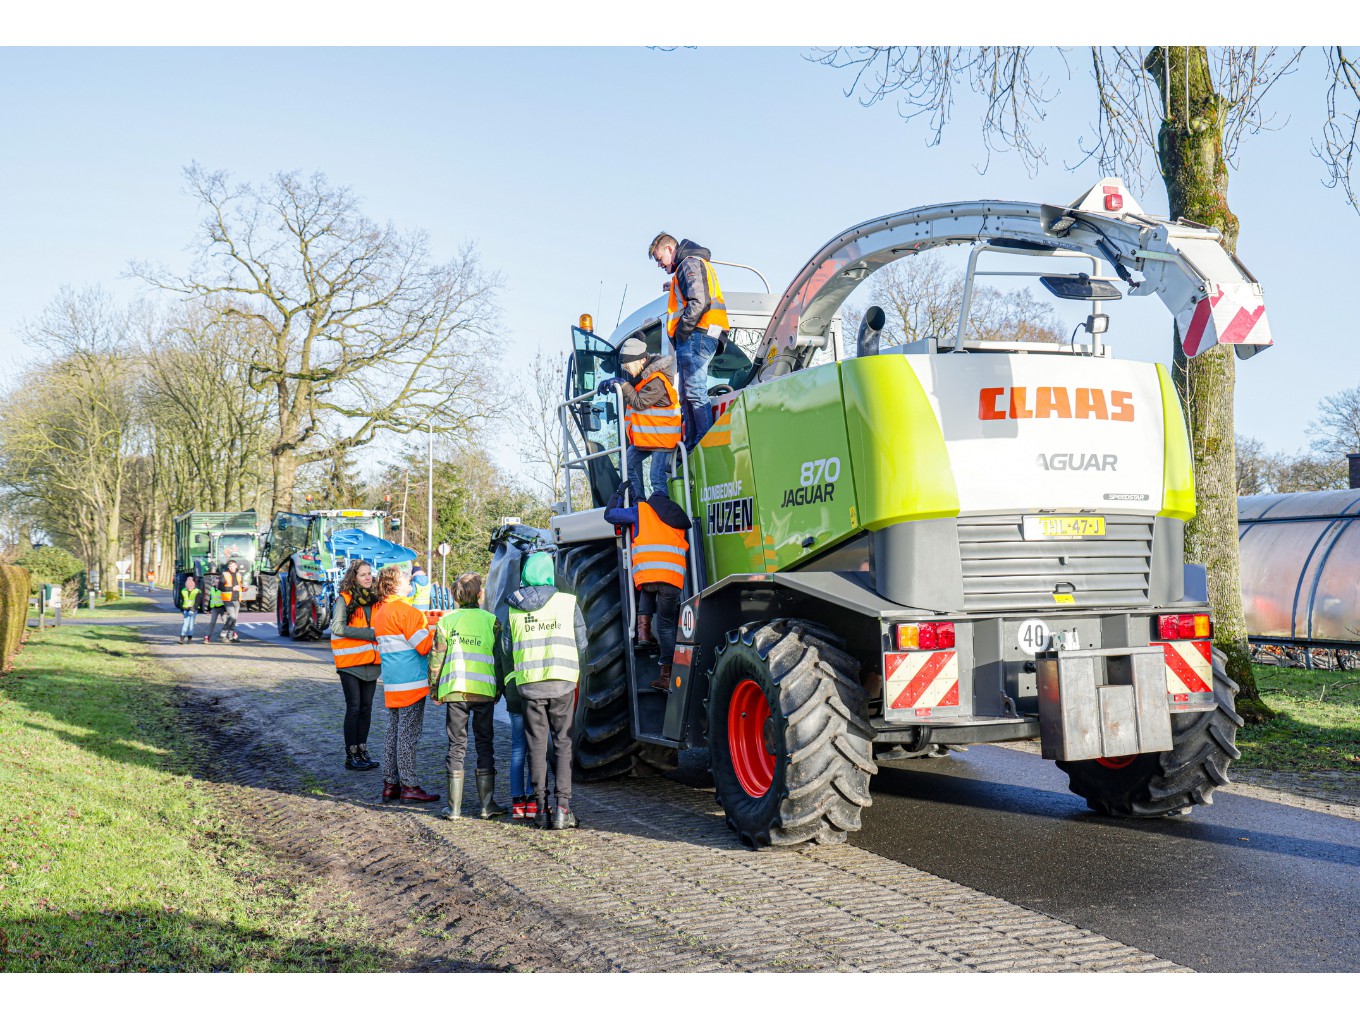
(206,540)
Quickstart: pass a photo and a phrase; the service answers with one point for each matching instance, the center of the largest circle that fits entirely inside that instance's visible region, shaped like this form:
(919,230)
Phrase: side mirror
(1080,288)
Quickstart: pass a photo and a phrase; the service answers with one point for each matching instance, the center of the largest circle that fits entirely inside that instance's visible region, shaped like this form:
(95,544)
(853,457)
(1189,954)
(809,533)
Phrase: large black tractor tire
(284,603)
(306,610)
(1167,782)
(602,741)
(790,745)
(268,587)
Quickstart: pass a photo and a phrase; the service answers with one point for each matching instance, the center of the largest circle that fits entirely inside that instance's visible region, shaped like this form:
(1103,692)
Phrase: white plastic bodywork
(1211,295)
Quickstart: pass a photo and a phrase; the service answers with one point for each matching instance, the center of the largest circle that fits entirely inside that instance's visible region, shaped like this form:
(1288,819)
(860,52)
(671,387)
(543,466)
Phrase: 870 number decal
(815,471)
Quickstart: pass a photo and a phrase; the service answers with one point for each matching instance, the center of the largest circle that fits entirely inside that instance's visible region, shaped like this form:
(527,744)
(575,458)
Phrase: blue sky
(560,163)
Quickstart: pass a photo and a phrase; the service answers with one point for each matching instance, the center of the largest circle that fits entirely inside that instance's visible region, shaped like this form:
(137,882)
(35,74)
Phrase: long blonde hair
(388,582)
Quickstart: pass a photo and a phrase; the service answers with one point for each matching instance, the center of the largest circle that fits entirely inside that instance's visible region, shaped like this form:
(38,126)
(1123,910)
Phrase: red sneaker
(530,809)
(517,808)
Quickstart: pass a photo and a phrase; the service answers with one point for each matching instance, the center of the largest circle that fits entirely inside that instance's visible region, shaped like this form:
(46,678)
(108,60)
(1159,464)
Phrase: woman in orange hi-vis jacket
(354,647)
(404,641)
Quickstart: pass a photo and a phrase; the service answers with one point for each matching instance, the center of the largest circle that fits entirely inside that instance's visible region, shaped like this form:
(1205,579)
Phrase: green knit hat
(538,570)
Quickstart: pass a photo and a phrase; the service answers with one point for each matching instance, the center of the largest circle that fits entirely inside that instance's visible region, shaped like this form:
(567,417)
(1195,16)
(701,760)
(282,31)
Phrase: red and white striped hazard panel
(920,685)
(1189,674)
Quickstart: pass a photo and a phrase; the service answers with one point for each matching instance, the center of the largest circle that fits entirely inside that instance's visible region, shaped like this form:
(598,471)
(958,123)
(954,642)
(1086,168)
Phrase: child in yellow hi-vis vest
(465,677)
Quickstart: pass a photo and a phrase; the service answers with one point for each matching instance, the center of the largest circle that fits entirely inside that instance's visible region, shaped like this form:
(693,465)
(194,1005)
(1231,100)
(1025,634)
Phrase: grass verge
(112,856)
(1317,726)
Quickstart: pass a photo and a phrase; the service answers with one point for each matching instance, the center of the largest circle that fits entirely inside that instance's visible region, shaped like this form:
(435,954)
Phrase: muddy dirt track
(653,881)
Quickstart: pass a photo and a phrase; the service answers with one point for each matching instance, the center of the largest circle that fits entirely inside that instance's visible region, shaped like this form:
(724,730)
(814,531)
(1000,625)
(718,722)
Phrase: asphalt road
(1241,885)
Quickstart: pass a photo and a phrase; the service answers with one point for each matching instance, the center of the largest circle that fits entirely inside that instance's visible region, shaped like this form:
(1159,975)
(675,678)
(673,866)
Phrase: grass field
(1318,725)
(112,856)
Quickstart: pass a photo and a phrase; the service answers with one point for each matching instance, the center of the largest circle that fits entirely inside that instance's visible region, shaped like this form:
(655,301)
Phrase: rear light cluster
(925,636)
(1184,627)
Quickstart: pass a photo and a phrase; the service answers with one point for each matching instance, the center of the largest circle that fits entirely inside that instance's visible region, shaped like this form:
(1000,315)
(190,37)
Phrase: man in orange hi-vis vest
(696,321)
(651,409)
(659,547)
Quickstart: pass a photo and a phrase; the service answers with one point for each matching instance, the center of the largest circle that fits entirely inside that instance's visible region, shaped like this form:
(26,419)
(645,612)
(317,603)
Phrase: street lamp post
(429,505)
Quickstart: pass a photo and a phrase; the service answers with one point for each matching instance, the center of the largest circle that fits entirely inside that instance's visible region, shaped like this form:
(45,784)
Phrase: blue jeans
(661,460)
(519,756)
(694,354)
(186,629)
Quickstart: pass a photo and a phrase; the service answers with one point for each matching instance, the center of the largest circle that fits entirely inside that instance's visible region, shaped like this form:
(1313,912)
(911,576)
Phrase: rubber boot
(367,762)
(455,808)
(352,759)
(663,681)
(486,791)
(644,631)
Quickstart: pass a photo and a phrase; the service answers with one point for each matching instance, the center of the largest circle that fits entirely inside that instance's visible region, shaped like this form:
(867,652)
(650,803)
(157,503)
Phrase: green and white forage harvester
(305,556)
(951,541)
(206,540)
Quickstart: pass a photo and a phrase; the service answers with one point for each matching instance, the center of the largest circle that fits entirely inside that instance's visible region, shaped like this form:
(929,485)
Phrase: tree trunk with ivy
(1190,147)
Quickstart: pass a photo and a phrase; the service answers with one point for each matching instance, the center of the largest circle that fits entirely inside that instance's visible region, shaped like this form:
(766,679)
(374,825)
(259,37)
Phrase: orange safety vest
(349,652)
(659,550)
(656,428)
(232,580)
(717,311)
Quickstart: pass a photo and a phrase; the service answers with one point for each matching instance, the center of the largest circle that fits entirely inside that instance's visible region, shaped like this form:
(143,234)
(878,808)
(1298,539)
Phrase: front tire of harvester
(306,620)
(283,603)
(602,738)
(790,745)
(1167,782)
(269,592)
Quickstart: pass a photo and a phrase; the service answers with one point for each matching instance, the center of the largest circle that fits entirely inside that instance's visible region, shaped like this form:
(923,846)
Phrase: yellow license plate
(1038,528)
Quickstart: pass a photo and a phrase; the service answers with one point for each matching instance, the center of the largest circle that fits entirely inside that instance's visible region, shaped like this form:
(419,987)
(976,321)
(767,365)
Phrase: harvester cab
(945,539)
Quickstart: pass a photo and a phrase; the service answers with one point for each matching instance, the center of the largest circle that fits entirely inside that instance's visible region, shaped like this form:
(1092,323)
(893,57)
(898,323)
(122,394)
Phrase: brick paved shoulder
(652,882)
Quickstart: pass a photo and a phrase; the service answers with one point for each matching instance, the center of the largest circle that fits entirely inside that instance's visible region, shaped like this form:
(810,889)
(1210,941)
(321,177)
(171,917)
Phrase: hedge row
(14,583)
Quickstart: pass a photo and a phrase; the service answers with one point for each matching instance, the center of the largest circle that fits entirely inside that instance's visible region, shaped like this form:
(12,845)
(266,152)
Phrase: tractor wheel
(602,738)
(268,598)
(1167,782)
(306,619)
(790,745)
(283,603)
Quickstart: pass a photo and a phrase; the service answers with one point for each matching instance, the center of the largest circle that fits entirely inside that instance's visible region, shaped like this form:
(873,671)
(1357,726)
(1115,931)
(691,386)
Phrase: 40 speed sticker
(687,622)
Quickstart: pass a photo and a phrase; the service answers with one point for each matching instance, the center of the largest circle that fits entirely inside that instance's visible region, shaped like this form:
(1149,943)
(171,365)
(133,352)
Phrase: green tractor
(951,541)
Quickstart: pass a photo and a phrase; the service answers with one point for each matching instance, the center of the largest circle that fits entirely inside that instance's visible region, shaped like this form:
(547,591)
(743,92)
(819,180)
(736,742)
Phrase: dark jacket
(692,280)
(654,393)
(528,598)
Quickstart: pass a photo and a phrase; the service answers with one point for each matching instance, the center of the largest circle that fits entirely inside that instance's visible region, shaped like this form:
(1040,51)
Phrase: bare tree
(1179,109)
(69,425)
(1253,466)
(1336,432)
(924,295)
(350,327)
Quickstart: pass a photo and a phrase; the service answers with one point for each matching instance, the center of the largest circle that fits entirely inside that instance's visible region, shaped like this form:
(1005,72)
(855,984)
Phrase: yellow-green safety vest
(544,641)
(469,666)
(214,598)
(187,597)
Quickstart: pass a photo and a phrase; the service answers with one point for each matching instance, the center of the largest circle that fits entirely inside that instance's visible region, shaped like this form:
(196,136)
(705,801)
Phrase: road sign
(444,548)
(123,566)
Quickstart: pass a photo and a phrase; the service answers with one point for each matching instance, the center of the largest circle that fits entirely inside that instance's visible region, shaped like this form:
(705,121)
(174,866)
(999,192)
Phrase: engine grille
(1003,571)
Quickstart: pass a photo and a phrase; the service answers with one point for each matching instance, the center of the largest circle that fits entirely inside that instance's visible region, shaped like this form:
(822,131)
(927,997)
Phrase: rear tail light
(925,636)
(1184,627)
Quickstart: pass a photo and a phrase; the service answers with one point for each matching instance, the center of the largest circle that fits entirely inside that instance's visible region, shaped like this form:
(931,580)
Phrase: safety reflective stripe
(717,311)
(553,641)
(654,558)
(348,646)
(660,427)
(405,685)
(389,643)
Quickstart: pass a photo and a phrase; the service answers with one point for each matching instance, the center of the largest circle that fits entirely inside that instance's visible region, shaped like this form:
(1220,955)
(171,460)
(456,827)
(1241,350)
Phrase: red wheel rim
(1120,762)
(747,715)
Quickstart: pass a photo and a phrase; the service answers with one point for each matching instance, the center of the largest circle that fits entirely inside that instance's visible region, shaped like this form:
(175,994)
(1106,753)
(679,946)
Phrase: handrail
(742,265)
